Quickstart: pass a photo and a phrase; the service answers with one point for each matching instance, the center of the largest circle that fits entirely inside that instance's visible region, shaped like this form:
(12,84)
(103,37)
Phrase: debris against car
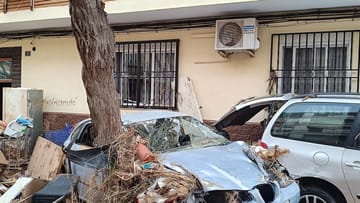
(44,165)
(144,179)
(268,159)
(191,160)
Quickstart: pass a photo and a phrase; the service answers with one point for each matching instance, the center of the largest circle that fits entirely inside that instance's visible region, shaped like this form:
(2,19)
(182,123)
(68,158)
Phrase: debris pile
(15,141)
(137,174)
(7,180)
(13,151)
(125,171)
(21,176)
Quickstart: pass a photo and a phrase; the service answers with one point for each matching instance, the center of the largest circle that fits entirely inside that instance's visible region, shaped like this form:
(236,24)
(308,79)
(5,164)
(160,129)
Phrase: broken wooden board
(34,186)
(187,100)
(3,160)
(22,190)
(46,160)
(3,189)
(16,189)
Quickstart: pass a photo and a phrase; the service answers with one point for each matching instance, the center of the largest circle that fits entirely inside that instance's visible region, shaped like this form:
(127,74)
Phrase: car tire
(313,194)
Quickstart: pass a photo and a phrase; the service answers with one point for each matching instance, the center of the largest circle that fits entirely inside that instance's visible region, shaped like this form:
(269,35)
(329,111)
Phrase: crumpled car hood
(224,167)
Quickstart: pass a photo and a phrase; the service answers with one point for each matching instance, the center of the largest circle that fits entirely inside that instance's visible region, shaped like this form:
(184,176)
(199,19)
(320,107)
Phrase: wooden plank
(187,100)
(48,3)
(16,189)
(46,160)
(16,5)
(3,160)
(34,186)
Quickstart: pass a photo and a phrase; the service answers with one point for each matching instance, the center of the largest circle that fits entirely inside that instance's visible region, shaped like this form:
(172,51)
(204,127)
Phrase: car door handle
(353,164)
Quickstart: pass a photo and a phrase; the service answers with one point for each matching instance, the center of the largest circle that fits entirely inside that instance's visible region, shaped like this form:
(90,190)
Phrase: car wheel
(311,194)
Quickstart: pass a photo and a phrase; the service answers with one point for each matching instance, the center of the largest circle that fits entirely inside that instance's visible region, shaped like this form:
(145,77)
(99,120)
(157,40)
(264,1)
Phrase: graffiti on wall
(55,101)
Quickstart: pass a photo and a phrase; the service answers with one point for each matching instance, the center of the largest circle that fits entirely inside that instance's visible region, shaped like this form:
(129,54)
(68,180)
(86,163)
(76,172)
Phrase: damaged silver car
(228,171)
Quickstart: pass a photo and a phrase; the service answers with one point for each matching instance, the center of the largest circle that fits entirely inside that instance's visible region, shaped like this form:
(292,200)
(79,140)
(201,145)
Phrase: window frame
(326,72)
(321,68)
(155,74)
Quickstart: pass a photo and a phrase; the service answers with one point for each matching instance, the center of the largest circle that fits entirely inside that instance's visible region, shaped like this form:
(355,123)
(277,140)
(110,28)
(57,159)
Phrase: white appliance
(236,35)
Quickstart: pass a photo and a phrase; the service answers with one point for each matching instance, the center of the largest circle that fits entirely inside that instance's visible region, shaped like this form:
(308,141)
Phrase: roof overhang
(136,12)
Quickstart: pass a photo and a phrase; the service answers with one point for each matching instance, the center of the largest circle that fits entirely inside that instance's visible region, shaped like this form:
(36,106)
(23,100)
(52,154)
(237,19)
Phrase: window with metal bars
(146,73)
(317,62)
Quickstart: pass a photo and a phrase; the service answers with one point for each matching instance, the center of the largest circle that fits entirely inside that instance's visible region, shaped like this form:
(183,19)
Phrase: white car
(322,132)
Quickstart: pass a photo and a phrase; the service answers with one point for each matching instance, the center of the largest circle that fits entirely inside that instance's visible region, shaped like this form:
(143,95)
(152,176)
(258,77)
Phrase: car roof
(128,117)
(247,108)
(255,100)
(139,116)
(338,95)
(289,96)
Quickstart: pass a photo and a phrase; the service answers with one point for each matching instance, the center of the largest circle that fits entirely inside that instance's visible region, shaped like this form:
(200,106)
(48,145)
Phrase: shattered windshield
(167,134)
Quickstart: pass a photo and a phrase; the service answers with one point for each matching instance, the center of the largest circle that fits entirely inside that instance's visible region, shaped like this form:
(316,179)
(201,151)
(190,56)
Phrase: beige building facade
(52,63)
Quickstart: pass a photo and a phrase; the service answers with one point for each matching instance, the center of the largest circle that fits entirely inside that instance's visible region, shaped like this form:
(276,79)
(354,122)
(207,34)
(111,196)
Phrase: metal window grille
(146,73)
(315,62)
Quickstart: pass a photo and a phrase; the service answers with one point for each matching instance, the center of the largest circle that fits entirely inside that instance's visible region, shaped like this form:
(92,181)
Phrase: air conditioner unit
(236,35)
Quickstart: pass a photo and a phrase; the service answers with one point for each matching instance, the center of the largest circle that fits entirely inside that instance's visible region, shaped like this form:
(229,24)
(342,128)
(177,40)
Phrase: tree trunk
(96,45)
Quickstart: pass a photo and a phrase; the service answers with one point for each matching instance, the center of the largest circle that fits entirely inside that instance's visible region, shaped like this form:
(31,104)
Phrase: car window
(177,133)
(75,134)
(323,123)
(87,136)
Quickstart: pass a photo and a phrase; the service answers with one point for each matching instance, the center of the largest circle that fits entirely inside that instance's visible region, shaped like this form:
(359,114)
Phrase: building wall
(219,83)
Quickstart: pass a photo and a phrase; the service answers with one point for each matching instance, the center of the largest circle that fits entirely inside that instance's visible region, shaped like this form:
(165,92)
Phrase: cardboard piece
(3,160)
(34,186)
(16,189)
(46,160)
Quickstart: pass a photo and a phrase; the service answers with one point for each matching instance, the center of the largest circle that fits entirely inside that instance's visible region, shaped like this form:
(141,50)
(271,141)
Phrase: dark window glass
(322,123)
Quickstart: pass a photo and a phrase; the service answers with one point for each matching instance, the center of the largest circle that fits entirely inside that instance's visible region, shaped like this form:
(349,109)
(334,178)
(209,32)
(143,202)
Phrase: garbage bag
(59,136)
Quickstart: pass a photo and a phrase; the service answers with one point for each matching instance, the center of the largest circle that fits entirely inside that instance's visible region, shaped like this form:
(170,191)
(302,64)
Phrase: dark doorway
(10,70)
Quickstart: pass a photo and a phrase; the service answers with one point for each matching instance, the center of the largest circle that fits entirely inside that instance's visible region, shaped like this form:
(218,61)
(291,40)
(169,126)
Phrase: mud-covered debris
(271,153)
(268,160)
(144,179)
(168,187)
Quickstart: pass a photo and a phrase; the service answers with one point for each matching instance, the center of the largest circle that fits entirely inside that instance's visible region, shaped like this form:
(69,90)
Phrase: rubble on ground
(21,176)
(138,174)
(133,173)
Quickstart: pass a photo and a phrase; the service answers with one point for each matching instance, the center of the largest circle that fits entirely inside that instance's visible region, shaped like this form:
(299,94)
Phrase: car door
(351,168)
(317,133)
(248,108)
(313,132)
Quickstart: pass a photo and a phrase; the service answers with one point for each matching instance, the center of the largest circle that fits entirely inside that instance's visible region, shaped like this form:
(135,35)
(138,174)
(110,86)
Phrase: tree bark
(96,45)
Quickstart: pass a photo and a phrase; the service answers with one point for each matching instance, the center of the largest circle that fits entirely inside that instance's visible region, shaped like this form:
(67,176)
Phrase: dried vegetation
(131,179)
